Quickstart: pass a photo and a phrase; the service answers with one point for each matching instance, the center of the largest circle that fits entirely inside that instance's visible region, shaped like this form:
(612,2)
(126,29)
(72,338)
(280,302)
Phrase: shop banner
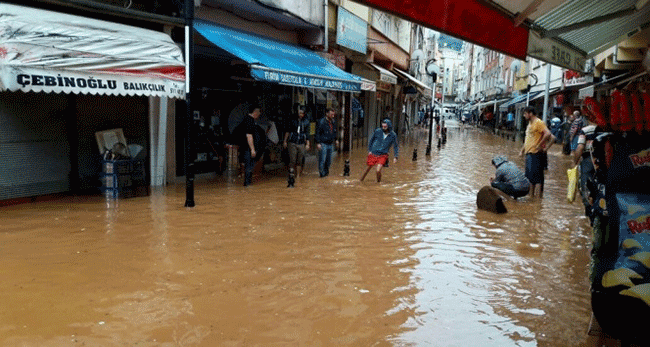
(369,86)
(300,80)
(71,82)
(553,52)
(45,51)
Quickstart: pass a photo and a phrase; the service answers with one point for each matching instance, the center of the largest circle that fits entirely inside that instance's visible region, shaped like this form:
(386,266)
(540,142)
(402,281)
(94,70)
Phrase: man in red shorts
(379,145)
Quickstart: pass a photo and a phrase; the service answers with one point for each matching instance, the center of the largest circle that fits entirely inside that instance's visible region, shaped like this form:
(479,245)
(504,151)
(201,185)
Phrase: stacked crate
(123,178)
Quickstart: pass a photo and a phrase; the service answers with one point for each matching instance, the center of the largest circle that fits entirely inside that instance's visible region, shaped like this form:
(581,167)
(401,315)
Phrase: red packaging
(620,113)
(595,113)
(637,112)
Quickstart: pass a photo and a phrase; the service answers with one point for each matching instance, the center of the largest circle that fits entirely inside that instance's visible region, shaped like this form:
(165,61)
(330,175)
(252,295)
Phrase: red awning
(470,20)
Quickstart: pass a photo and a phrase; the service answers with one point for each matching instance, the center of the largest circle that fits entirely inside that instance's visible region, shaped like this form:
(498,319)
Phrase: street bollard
(346,168)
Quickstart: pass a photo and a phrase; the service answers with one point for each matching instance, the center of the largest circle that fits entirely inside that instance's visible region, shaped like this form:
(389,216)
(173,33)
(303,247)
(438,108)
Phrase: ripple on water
(507,270)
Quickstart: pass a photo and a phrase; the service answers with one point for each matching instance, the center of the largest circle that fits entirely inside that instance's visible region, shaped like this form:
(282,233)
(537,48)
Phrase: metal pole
(546,91)
(326,19)
(189,62)
(433,105)
(527,98)
(442,100)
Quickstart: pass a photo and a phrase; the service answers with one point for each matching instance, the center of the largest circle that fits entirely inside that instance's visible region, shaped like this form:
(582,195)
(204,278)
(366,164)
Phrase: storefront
(376,101)
(417,97)
(241,67)
(62,79)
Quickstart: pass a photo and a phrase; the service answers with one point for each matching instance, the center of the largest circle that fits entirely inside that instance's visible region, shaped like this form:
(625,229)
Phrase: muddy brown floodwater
(331,262)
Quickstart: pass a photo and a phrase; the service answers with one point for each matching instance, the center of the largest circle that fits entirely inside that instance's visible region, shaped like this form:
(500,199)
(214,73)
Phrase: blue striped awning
(280,62)
(517,100)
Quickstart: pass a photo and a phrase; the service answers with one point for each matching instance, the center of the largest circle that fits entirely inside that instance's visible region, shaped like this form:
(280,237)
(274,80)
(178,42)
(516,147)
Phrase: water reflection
(330,262)
(517,279)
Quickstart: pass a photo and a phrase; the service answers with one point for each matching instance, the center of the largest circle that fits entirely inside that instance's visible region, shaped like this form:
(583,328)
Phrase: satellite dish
(418,54)
(515,66)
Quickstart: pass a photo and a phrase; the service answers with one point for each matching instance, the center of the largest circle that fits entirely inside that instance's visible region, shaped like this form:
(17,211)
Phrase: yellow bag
(573,184)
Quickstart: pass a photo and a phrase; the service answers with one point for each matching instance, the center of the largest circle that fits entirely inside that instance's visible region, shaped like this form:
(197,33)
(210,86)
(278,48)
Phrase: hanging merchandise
(619,206)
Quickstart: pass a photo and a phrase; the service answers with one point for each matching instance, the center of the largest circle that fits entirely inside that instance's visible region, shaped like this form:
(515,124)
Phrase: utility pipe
(546,91)
(189,68)
(327,25)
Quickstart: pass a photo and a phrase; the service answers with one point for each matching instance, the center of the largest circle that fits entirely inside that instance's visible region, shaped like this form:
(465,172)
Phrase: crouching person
(508,178)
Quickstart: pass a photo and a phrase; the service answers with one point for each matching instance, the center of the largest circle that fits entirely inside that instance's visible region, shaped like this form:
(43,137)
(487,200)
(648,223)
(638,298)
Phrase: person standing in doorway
(510,120)
(382,139)
(296,141)
(578,123)
(325,141)
(253,141)
(537,136)
(566,131)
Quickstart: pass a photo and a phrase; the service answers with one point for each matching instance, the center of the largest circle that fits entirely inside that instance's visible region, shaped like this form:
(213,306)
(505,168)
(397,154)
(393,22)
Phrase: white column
(154,111)
(161,161)
(546,91)
(158,140)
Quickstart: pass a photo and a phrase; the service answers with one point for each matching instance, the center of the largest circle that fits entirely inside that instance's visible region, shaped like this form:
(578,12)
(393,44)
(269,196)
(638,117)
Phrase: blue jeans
(535,168)
(249,165)
(508,189)
(325,159)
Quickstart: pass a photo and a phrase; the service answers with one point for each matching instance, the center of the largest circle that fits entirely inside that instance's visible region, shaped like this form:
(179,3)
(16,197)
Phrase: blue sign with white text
(352,31)
(298,80)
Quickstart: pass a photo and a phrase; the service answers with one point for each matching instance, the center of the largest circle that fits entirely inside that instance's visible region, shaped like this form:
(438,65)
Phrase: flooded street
(331,262)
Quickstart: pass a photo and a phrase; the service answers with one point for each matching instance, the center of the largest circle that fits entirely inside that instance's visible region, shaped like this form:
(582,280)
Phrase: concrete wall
(227,19)
(309,10)
(539,69)
(361,11)
(394,28)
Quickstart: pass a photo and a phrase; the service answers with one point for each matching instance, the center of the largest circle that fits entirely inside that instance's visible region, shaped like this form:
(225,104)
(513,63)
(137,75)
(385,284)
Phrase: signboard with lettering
(52,52)
(369,86)
(572,78)
(351,31)
(522,78)
(294,79)
(384,86)
(73,82)
(553,52)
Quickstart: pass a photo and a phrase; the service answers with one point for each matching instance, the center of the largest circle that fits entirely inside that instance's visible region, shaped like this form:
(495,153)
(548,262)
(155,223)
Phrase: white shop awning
(417,82)
(384,75)
(52,52)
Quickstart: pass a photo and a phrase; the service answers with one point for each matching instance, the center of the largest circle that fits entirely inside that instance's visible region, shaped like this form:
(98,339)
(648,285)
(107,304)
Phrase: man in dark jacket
(296,140)
(325,138)
(380,143)
(252,142)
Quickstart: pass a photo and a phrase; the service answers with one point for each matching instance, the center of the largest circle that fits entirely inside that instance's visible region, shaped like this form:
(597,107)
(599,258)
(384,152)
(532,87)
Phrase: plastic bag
(572,188)
(273,133)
